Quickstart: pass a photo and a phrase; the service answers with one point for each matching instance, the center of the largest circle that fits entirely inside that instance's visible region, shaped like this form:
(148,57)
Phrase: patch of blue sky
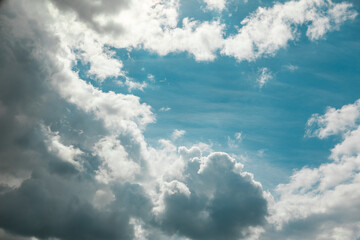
(212,101)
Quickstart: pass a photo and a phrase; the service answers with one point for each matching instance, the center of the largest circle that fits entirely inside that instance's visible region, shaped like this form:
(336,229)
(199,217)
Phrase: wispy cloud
(291,67)
(164,109)
(177,134)
(264,75)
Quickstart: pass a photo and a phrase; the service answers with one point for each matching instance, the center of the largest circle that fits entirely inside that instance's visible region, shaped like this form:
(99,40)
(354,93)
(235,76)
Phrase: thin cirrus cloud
(75,157)
(264,75)
(178,133)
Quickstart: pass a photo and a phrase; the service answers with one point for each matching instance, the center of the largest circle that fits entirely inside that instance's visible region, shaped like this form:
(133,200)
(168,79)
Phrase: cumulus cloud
(68,154)
(263,32)
(334,121)
(218,210)
(90,12)
(116,163)
(75,157)
(322,203)
(215,4)
(268,29)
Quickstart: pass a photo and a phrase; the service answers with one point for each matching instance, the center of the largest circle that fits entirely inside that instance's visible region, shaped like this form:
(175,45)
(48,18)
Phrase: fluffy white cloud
(269,29)
(153,25)
(324,200)
(215,4)
(334,121)
(66,153)
(192,192)
(349,147)
(116,164)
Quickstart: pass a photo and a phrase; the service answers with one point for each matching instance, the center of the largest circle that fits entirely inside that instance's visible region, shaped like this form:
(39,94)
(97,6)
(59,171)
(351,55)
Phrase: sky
(179,119)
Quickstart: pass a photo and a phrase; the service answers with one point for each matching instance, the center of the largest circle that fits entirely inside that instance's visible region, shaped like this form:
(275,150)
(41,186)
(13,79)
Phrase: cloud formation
(322,203)
(264,76)
(215,4)
(262,33)
(76,165)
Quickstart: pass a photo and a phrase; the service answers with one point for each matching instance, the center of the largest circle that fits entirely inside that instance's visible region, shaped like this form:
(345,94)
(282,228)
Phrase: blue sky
(180,119)
(213,100)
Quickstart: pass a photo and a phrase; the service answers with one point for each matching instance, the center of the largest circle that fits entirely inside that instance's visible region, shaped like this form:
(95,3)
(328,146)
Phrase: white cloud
(65,153)
(238,136)
(102,65)
(326,197)
(116,163)
(151,77)
(268,29)
(164,109)
(103,197)
(264,76)
(165,175)
(291,67)
(334,121)
(132,85)
(215,4)
(177,134)
(233,142)
(152,25)
(349,147)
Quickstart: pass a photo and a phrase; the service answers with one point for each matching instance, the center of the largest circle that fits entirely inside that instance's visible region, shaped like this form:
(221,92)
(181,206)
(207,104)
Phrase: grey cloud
(49,205)
(86,11)
(27,100)
(222,202)
(54,199)
(6,236)
(328,225)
